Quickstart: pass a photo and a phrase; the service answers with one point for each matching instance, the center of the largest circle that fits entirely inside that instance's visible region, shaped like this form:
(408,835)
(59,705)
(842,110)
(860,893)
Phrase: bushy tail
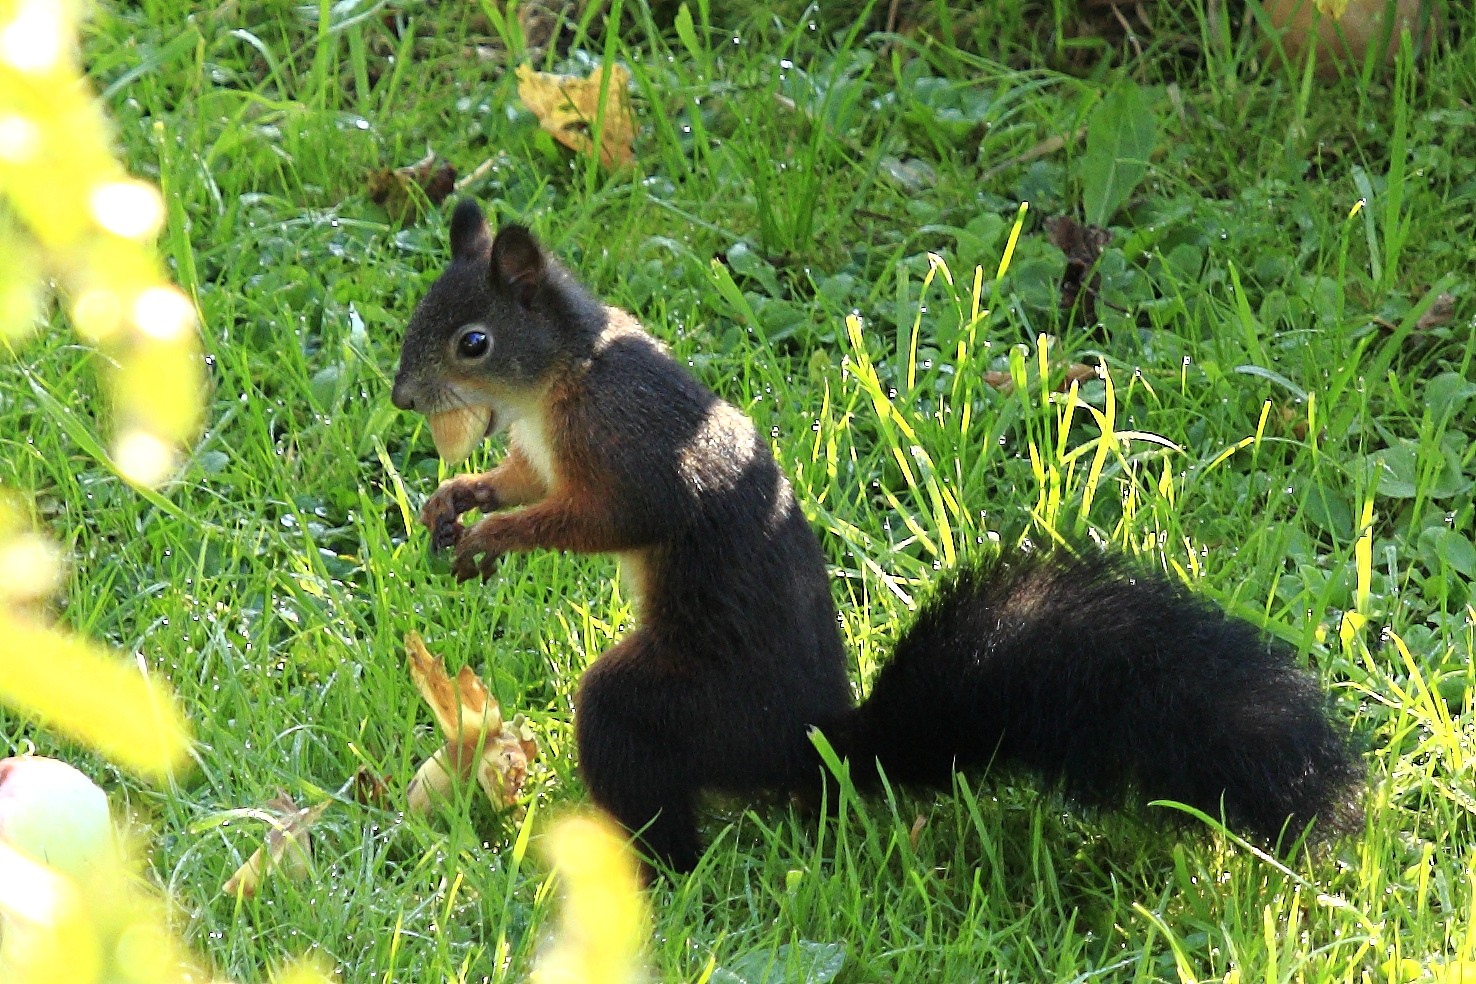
(1106,679)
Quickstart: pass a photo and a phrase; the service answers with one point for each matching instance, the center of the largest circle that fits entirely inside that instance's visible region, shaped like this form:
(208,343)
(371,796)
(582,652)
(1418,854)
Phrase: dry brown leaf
(1083,245)
(1078,374)
(1000,381)
(1440,313)
(916,831)
(403,190)
(1345,29)
(504,766)
(462,707)
(369,788)
(288,846)
(567,107)
(472,722)
(433,780)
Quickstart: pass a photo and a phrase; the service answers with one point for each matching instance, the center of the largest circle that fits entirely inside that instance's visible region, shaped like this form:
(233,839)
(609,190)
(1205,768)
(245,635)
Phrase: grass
(831,174)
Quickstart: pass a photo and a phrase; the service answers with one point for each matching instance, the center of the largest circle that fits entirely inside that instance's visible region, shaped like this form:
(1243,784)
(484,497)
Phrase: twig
(1131,34)
(481,170)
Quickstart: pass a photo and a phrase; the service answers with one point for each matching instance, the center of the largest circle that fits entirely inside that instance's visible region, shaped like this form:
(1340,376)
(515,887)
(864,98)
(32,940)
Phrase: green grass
(277,605)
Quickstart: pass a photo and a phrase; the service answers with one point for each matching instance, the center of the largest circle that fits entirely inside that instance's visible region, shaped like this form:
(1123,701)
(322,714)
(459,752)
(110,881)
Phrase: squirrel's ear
(469,234)
(517,262)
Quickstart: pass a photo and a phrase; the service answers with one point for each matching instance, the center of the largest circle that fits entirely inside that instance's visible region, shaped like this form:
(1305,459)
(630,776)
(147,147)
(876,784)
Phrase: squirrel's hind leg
(633,755)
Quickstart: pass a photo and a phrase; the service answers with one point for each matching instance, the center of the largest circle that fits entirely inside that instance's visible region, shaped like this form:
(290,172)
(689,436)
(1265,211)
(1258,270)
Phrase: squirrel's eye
(473,345)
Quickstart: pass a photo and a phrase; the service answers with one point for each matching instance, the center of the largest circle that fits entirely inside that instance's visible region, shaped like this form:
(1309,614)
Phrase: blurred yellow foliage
(68,211)
(58,932)
(604,919)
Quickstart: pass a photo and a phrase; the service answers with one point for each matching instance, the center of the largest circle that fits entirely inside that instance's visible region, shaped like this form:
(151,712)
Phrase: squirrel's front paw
(441,513)
(476,556)
(445,532)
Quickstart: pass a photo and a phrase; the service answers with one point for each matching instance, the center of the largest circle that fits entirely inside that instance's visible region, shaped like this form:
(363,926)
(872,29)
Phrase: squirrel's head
(481,342)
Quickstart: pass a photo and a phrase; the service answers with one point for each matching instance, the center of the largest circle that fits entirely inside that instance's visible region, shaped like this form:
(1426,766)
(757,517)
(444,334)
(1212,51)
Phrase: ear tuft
(517,263)
(469,233)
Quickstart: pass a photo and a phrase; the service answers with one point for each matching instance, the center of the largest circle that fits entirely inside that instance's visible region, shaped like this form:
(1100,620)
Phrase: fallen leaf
(916,831)
(369,788)
(568,107)
(1082,244)
(287,848)
(434,780)
(1078,374)
(1344,30)
(1440,313)
(405,191)
(1293,421)
(472,723)
(462,707)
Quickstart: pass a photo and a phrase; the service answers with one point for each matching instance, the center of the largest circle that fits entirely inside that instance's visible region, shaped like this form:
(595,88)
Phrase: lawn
(814,220)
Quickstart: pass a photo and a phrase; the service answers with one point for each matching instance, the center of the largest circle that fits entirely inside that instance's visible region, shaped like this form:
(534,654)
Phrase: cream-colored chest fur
(527,433)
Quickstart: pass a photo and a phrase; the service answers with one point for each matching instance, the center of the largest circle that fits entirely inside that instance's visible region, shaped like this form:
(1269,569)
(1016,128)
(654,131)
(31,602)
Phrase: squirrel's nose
(401,396)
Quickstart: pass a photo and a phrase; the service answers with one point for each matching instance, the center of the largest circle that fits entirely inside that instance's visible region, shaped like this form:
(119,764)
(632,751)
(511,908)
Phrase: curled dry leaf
(433,780)
(369,788)
(477,739)
(402,191)
(1077,374)
(287,848)
(916,831)
(462,707)
(458,432)
(1439,314)
(568,107)
(1083,245)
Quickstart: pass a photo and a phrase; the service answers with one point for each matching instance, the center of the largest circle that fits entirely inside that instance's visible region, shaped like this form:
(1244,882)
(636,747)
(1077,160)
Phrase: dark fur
(1091,672)
(1104,677)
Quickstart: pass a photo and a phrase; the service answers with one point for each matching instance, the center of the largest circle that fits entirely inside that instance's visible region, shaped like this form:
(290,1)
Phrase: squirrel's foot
(442,511)
(476,556)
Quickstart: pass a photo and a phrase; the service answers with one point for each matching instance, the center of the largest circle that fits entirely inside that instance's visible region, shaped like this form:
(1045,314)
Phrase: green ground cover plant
(815,220)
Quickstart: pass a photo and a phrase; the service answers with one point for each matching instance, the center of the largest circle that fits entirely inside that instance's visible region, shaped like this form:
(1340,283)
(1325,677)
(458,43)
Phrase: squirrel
(1100,675)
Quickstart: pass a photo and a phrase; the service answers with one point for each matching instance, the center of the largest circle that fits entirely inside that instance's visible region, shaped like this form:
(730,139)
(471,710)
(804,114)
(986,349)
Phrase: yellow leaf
(1333,8)
(82,690)
(569,108)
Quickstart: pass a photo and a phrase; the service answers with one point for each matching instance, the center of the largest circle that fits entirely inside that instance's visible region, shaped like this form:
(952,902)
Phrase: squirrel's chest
(529,436)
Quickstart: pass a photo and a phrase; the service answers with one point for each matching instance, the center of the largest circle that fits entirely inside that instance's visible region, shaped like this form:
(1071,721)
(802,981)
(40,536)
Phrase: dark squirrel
(1099,675)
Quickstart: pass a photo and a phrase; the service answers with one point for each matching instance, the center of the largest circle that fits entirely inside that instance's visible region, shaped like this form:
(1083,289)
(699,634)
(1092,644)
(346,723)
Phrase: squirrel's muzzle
(403,394)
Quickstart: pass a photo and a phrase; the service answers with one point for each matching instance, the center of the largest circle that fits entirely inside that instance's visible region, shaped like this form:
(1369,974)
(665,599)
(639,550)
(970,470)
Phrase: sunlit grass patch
(1271,368)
